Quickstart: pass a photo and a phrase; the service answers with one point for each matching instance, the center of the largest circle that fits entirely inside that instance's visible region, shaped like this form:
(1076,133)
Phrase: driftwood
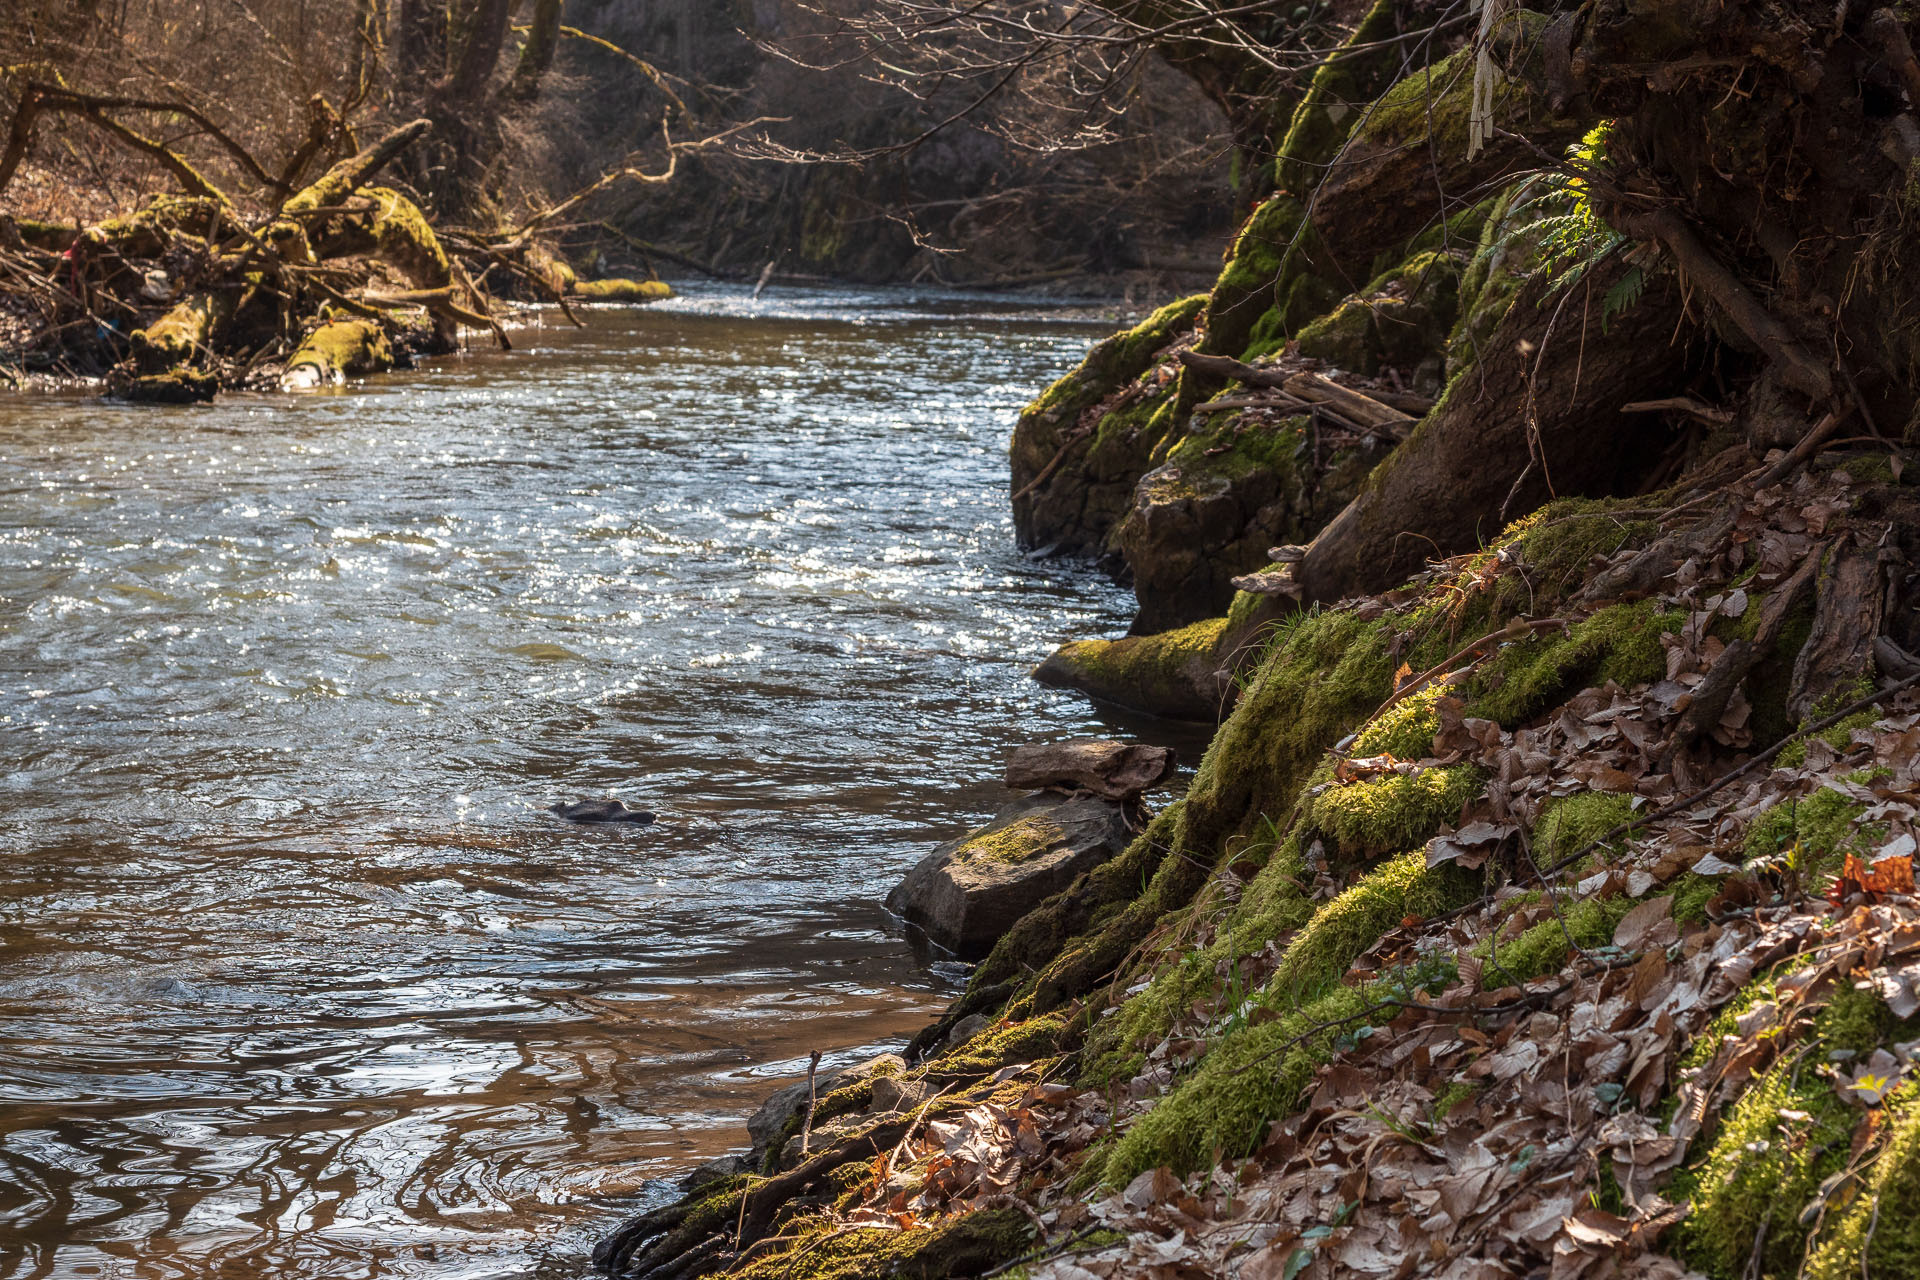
(1358,408)
(1115,770)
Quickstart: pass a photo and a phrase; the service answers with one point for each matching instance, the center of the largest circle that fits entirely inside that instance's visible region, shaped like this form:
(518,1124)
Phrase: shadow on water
(296,977)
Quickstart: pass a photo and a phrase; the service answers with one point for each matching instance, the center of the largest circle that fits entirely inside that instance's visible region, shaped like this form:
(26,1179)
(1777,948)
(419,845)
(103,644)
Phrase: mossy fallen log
(182,334)
(622,290)
(337,351)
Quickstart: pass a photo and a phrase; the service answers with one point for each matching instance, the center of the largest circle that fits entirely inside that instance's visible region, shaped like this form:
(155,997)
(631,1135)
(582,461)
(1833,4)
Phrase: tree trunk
(543,39)
(483,35)
(1522,426)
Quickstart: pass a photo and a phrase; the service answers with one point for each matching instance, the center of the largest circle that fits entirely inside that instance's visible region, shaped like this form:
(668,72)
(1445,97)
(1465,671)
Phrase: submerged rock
(970,891)
(601,811)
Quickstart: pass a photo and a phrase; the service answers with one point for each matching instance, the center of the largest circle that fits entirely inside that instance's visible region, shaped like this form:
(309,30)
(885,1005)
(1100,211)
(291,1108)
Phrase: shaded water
(296,978)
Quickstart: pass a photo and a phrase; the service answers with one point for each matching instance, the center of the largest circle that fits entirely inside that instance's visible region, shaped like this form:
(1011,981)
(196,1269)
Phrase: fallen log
(337,351)
(181,334)
(622,290)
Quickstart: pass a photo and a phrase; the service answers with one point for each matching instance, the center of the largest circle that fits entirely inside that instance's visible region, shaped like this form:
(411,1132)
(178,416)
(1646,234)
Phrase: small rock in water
(600,811)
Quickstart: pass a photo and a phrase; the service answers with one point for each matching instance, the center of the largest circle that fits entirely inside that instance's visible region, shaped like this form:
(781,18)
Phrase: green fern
(1573,238)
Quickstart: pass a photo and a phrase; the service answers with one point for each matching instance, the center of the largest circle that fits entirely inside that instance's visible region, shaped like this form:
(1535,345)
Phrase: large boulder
(970,891)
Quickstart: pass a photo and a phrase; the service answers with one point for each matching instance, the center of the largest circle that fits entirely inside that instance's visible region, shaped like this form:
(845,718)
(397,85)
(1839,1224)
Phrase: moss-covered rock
(1078,450)
(1234,485)
(1176,674)
(1400,320)
(968,892)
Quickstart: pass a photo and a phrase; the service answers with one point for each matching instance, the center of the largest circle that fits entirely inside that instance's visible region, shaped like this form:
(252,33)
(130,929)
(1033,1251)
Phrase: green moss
(1400,318)
(1170,674)
(1879,1234)
(1838,736)
(1784,1135)
(997,1047)
(1405,730)
(1545,558)
(340,350)
(1013,844)
(967,1245)
(1394,811)
(1241,1086)
(1115,362)
(182,333)
(1691,894)
(1342,930)
(1457,1094)
(1233,447)
(1333,102)
(403,236)
(1571,823)
(1620,643)
(622,290)
(1255,267)
(1819,830)
(1321,675)
(1855,1020)
(1544,948)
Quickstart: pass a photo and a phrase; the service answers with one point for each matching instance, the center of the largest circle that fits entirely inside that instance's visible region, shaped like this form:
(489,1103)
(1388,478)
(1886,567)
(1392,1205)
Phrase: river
(296,976)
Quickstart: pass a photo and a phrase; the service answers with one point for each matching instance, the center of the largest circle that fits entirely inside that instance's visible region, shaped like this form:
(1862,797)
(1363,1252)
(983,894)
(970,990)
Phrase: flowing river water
(296,976)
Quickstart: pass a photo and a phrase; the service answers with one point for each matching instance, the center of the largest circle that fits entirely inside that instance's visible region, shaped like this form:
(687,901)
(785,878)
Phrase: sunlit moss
(1392,810)
(1878,1235)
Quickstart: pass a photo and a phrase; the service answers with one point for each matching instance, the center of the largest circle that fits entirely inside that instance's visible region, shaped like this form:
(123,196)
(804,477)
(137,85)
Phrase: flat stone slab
(970,891)
(1116,770)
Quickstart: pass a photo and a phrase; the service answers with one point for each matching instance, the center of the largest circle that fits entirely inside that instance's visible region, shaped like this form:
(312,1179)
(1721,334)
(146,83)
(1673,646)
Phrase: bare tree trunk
(483,35)
(543,39)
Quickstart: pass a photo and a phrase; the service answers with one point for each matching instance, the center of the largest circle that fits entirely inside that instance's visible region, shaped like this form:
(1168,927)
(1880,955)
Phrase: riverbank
(1543,904)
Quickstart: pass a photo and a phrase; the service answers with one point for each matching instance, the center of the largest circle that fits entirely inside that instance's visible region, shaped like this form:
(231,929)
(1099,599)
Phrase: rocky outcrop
(1080,448)
(969,891)
(1238,483)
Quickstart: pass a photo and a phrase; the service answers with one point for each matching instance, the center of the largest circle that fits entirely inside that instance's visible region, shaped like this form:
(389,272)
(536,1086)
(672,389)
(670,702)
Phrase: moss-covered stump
(336,351)
(1235,485)
(967,893)
(1079,449)
(622,290)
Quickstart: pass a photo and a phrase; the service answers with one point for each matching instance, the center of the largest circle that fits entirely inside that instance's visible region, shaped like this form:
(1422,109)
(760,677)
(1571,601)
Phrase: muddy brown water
(296,977)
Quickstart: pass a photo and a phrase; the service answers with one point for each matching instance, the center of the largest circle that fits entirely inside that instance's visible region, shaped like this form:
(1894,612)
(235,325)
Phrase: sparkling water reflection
(296,978)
